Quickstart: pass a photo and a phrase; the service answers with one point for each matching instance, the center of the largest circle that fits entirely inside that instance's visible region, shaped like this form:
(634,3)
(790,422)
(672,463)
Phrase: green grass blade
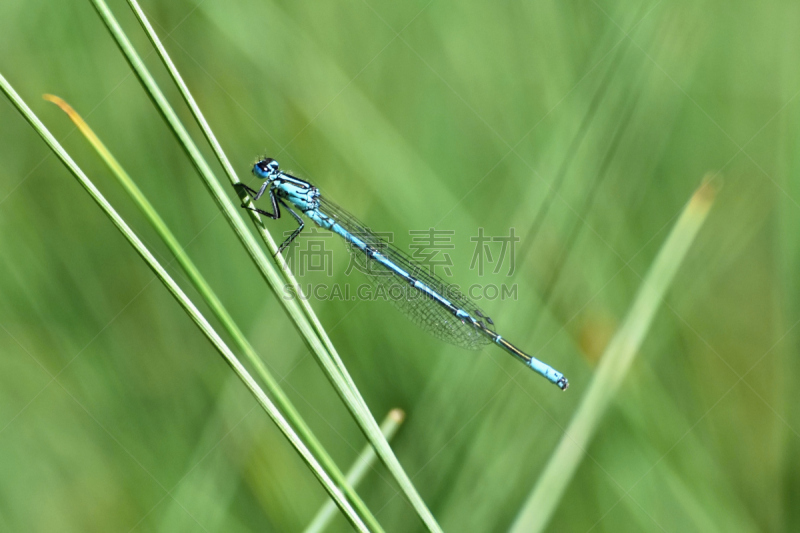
(613,367)
(234,179)
(219,310)
(187,305)
(303,317)
(390,425)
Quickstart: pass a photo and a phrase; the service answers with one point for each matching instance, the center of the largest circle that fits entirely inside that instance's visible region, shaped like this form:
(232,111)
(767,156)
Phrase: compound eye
(268,166)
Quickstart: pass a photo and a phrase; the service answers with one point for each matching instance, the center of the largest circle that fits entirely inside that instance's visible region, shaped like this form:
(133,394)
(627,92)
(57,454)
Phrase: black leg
(296,232)
(252,192)
(276,212)
(255,195)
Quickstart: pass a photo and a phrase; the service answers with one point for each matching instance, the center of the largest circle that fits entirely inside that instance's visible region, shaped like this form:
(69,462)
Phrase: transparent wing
(424,311)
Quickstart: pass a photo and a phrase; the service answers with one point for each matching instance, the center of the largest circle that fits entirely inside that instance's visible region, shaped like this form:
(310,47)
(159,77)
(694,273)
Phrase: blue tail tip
(562,383)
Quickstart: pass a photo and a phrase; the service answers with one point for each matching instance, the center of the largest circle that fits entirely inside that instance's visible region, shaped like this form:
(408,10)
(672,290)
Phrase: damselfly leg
(252,192)
(276,212)
(296,232)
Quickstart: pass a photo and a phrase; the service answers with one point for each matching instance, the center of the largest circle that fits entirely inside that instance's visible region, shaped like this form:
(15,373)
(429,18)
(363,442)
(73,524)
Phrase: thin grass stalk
(363,463)
(188,306)
(234,180)
(256,218)
(219,310)
(614,366)
(323,351)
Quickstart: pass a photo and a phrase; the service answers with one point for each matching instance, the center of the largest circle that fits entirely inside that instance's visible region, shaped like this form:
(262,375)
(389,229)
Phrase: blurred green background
(586,126)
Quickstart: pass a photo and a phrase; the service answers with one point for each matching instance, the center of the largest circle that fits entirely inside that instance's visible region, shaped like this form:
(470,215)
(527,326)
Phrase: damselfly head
(266,169)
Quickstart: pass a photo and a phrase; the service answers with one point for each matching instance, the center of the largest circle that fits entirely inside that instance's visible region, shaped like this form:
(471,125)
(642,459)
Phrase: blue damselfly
(430,302)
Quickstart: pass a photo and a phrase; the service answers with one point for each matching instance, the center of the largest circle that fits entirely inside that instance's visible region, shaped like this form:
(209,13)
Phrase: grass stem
(187,305)
(614,365)
(219,311)
(389,427)
(301,313)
